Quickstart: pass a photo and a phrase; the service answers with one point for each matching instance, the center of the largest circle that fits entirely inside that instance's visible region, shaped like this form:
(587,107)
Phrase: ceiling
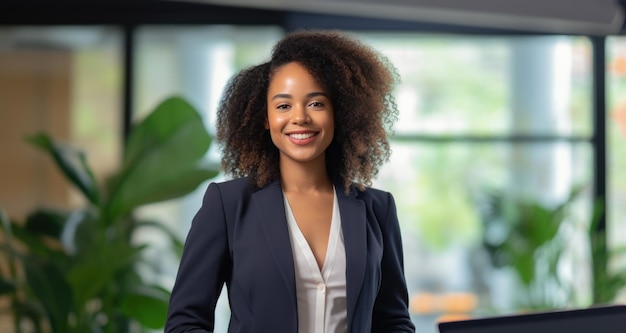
(588,17)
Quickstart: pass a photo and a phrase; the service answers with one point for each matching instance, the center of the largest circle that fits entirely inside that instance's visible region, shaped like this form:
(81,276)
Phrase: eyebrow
(309,95)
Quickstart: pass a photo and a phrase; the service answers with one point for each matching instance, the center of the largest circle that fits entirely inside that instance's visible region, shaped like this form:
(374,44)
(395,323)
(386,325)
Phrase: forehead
(292,74)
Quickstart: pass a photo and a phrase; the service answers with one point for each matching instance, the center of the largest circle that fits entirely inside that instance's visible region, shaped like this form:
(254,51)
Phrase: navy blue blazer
(239,237)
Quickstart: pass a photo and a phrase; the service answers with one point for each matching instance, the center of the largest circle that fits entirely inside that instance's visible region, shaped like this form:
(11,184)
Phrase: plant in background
(528,237)
(608,280)
(77,271)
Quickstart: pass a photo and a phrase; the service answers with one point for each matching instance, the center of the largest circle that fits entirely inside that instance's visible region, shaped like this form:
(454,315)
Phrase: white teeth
(301,136)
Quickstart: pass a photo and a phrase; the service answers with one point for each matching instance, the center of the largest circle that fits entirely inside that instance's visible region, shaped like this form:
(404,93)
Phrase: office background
(510,136)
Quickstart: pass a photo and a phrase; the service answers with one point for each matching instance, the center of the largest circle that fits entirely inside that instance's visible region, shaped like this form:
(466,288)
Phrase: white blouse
(321,294)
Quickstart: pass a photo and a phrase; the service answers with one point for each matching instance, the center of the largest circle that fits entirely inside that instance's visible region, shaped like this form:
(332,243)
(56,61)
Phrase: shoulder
(228,191)
(374,195)
(233,185)
(371,196)
(241,189)
(380,201)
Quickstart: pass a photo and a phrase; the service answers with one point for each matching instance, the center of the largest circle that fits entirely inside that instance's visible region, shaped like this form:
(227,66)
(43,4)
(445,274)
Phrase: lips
(301,136)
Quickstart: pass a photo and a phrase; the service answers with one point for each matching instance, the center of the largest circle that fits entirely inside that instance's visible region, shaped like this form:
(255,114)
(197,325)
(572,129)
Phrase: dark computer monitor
(604,319)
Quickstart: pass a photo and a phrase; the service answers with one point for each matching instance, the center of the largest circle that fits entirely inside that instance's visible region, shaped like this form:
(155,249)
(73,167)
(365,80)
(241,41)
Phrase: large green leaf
(154,189)
(52,290)
(88,280)
(162,160)
(72,163)
(146,304)
(174,115)
(105,261)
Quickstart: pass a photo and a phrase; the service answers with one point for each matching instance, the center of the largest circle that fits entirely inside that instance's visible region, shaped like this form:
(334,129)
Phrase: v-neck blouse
(321,295)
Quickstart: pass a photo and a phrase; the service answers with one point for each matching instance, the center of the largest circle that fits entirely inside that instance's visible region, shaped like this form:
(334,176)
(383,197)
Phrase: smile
(302,136)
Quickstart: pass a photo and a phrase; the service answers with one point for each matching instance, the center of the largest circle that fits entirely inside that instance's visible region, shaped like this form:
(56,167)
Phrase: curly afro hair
(360,82)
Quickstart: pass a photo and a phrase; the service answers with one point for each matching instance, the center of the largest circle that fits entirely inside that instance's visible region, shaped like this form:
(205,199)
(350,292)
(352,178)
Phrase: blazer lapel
(270,209)
(353,223)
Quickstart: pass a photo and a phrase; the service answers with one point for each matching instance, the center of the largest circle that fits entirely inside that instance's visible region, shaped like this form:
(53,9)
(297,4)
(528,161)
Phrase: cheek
(276,122)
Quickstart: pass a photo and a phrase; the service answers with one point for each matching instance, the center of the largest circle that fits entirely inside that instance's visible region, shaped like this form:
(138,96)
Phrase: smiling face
(299,115)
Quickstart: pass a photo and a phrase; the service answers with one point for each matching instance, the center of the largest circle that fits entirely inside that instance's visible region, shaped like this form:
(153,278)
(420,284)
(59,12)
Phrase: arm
(391,312)
(204,267)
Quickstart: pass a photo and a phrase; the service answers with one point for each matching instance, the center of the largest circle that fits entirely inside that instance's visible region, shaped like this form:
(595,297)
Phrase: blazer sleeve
(391,312)
(204,267)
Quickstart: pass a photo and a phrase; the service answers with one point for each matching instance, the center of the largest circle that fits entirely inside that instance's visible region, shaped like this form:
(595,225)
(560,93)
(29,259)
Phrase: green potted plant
(528,239)
(77,271)
(526,236)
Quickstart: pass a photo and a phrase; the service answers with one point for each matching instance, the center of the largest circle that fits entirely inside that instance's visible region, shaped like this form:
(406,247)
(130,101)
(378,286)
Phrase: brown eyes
(312,105)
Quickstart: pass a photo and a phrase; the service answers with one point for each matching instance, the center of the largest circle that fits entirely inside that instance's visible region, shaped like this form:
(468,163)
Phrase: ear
(266,124)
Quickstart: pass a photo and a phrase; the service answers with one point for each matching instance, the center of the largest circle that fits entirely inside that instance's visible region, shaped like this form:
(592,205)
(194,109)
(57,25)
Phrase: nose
(300,115)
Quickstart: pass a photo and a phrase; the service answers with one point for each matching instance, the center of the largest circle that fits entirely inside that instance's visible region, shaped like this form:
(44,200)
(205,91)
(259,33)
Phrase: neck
(304,177)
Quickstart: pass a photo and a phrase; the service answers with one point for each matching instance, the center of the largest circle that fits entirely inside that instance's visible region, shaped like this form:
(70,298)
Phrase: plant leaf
(52,290)
(162,159)
(45,222)
(147,304)
(72,164)
(524,264)
(34,243)
(103,262)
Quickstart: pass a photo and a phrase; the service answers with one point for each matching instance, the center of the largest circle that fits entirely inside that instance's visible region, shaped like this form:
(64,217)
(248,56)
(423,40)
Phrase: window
(505,116)
(66,81)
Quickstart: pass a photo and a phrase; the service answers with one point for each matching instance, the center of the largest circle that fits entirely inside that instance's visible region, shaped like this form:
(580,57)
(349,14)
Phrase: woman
(301,242)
